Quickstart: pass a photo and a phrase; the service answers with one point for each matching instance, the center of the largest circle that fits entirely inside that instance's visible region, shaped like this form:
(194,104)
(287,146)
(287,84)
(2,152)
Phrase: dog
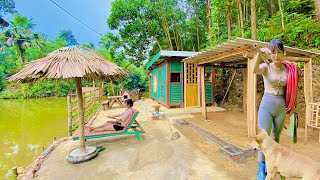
(282,160)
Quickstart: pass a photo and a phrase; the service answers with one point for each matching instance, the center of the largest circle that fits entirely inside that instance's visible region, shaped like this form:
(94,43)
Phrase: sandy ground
(232,126)
(157,157)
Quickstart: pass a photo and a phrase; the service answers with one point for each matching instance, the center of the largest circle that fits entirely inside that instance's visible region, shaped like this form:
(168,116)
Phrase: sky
(49,19)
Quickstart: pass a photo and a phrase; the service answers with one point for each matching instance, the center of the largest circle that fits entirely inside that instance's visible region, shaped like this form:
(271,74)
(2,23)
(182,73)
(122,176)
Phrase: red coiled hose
(292,85)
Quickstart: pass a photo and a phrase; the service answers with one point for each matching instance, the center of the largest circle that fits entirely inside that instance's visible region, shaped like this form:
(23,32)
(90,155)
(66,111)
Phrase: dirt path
(231,126)
(157,157)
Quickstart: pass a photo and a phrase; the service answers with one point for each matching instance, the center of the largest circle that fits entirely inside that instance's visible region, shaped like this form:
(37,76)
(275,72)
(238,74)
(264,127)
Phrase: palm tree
(20,36)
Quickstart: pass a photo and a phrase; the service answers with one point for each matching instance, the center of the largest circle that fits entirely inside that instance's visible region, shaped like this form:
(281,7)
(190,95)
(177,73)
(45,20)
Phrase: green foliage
(134,82)
(7,6)
(20,36)
(148,26)
(67,36)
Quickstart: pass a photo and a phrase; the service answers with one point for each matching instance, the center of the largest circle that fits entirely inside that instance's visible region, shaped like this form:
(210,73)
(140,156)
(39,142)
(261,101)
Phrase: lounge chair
(132,128)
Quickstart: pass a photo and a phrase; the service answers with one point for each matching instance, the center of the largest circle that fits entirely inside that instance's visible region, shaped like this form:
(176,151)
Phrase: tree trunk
(165,26)
(241,19)
(271,8)
(81,113)
(281,12)
(209,21)
(317,9)
(247,9)
(229,23)
(253,20)
(197,25)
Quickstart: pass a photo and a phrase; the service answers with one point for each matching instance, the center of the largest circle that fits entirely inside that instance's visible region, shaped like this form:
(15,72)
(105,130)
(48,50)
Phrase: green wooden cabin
(175,84)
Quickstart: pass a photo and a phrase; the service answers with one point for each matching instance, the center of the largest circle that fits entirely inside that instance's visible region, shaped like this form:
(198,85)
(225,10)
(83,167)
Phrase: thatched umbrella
(71,62)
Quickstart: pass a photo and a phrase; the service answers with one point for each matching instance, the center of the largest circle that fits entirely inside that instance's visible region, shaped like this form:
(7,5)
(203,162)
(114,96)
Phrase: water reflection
(26,126)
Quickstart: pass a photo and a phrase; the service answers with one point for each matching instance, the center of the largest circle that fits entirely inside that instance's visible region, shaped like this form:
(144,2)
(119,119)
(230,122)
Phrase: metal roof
(156,60)
(232,53)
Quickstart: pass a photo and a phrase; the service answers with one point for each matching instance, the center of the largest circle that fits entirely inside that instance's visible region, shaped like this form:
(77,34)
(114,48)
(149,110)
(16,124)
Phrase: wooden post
(81,113)
(307,92)
(203,92)
(245,82)
(102,90)
(185,84)
(69,115)
(150,83)
(251,100)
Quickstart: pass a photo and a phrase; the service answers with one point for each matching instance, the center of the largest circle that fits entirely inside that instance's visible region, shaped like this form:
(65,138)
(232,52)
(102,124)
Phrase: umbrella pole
(81,113)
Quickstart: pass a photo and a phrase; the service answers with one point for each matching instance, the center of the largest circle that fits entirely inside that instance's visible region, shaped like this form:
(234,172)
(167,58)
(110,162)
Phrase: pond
(26,127)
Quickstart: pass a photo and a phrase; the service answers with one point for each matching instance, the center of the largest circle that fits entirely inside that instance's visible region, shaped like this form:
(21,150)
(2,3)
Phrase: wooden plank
(229,67)
(248,97)
(251,100)
(224,55)
(250,54)
(265,44)
(307,92)
(69,115)
(245,82)
(203,93)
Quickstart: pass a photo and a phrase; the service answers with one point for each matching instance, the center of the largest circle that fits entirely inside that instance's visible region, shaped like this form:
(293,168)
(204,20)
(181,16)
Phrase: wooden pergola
(238,54)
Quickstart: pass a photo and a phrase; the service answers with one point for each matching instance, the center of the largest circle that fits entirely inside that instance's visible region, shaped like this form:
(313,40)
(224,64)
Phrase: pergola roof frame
(238,54)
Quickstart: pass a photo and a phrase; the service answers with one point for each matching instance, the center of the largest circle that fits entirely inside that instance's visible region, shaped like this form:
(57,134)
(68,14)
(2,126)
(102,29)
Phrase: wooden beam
(230,67)
(203,92)
(250,54)
(245,82)
(307,91)
(251,100)
(223,55)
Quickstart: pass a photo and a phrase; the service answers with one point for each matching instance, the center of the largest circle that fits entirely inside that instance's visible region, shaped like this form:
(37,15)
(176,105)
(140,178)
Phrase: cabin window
(175,77)
(208,77)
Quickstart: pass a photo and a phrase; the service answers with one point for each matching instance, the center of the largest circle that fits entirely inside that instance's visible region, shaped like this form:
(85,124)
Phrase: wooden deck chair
(132,128)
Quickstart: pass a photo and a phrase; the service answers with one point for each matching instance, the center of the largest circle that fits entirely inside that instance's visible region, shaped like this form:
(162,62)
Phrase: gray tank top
(274,80)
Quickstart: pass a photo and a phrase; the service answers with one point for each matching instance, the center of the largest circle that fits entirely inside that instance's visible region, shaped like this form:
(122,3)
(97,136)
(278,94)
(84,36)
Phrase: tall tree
(229,20)
(253,20)
(281,12)
(67,36)
(241,18)
(209,21)
(271,7)
(317,9)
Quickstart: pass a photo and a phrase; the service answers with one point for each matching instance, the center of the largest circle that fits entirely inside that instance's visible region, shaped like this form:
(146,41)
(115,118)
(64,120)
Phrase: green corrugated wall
(176,93)
(161,74)
(175,67)
(176,88)
(208,91)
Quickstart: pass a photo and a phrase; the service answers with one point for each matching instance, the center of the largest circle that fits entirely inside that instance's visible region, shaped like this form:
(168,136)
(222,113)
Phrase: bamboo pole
(69,115)
(81,113)
(253,20)
(307,93)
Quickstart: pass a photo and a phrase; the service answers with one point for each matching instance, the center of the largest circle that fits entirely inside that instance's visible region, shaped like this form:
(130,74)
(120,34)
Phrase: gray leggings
(271,117)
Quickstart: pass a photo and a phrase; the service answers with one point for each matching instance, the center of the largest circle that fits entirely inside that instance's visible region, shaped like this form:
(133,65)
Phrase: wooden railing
(91,99)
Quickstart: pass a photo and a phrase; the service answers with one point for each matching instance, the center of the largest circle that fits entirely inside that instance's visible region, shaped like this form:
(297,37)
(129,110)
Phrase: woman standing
(272,111)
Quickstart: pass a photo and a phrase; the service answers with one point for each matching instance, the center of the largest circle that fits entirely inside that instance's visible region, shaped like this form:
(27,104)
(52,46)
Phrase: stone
(182,122)
(77,155)
(175,136)
(20,170)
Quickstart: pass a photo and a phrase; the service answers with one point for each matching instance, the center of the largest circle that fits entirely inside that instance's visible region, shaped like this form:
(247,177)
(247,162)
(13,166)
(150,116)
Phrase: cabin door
(192,85)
